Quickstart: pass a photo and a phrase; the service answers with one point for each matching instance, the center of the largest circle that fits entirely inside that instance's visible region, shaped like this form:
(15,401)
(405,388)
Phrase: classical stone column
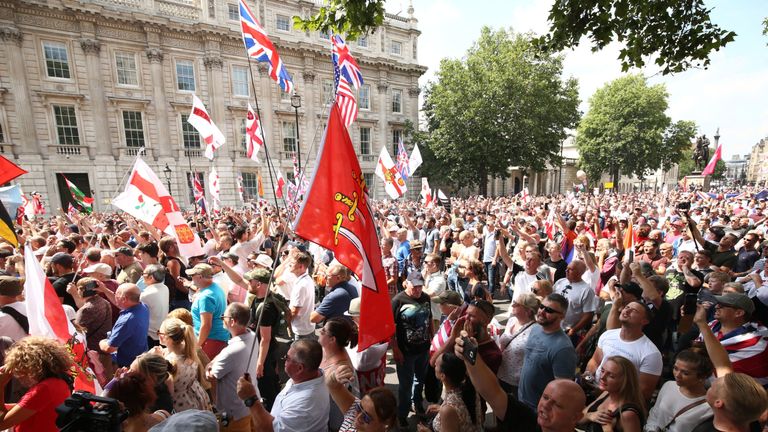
(101,146)
(27,138)
(384,137)
(310,124)
(213,66)
(159,102)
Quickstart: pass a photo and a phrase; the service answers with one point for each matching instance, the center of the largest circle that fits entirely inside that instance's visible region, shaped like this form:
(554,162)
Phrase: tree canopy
(505,104)
(677,33)
(626,130)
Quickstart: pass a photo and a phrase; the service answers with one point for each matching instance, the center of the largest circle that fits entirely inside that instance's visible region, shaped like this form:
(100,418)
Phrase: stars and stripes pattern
(346,75)
(259,46)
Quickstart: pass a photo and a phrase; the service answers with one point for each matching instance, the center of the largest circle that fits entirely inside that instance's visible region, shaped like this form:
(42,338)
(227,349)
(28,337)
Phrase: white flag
(386,170)
(415,160)
(253,135)
(213,186)
(146,198)
(211,134)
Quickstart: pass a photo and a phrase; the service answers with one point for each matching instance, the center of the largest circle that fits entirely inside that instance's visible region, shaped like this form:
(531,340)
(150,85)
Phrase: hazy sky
(732,94)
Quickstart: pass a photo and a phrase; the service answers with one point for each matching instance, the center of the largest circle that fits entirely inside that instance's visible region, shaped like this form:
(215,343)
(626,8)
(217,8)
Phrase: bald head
(127,295)
(575,270)
(561,405)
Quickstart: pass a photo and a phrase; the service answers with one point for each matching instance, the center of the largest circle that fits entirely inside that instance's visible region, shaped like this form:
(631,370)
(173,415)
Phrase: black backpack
(282,330)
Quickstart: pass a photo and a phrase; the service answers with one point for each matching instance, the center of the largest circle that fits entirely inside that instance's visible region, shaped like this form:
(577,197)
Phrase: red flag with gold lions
(336,215)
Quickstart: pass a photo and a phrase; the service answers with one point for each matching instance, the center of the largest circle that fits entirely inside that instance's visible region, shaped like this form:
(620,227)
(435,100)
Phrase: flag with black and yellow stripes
(6,227)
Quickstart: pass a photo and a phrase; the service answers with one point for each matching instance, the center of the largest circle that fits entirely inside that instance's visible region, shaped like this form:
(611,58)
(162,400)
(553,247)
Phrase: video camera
(84,411)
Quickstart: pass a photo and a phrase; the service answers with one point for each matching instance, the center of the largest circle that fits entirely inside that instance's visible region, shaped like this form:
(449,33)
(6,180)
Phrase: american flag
(348,67)
(346,74)
(258,45)
(402,160)
(253,134)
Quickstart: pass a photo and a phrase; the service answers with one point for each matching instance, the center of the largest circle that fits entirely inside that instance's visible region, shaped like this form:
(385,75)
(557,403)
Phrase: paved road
(390,380)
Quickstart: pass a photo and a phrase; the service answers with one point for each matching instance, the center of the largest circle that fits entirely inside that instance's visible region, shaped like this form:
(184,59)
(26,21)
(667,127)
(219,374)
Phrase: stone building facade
(757,163)
(85,84)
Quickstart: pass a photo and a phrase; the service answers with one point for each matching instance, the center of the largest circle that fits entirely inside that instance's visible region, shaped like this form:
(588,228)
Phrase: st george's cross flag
(336,215)
(258,45)
(253,134)
(386,170)
(146,198)
(426,193)
(280,184)
(211,134)
(47,318)
(214,188)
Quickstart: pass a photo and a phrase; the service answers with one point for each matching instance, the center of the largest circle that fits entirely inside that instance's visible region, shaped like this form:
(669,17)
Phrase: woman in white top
(681,404)
(522,316)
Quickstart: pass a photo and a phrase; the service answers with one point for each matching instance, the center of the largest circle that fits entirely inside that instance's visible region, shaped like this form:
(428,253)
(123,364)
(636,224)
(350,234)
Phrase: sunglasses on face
(367,419)
(549,310)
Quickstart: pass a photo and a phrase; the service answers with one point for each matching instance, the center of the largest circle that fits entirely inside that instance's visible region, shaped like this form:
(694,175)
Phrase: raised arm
(715,349)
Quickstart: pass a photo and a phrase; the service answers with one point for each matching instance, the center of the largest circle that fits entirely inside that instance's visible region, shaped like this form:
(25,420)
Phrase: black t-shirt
(174,294)
(659,325)
(708,426)
(720,259)
(745,260)
(559,267)
(518,417)
(412,320)
(60,285)
(270,318)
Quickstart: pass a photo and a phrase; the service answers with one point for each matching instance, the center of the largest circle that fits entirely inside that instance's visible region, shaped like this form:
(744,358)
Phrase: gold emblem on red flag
(184,233)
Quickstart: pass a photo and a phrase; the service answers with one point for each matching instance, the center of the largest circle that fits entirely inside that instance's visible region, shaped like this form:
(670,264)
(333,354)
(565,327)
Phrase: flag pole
(192,178)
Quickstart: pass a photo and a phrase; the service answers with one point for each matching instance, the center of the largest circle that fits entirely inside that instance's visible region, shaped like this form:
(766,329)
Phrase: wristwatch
(252,400)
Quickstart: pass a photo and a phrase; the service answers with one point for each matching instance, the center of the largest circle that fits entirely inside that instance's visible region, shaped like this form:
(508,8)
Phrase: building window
(66,125)
(289,136)
(364,97)
(2,134)
(185,75)
(397,135)
(283,23)
(240,81)
(328,92)
(325,35)
(250,185)
(56,60)
(396,48)
(133,128)
(362,42)
(243,135)
(368,177)
(189,135)
(397,101)
(284,96)
(233,11)
(125,63)
(365,140)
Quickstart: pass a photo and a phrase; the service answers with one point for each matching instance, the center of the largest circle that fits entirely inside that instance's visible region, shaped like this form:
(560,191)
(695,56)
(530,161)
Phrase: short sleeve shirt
(547,356)
(129,334)
(211,300)
(337,301)
(412,321)
(641,352)
(43,398)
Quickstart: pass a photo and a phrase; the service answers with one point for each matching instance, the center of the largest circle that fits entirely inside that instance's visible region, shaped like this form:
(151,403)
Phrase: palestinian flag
(85,202)
(6,227)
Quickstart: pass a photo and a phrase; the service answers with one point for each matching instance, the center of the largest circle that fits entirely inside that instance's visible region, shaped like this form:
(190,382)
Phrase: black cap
(64,259)
(631,288)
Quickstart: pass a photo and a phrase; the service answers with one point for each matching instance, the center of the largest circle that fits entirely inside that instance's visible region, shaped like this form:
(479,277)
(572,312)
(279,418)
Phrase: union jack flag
(346,74)
(402,160)
(348,67)
(258,45)
(198,192)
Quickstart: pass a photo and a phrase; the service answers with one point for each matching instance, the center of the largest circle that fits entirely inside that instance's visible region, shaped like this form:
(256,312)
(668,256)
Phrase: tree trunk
(483,189)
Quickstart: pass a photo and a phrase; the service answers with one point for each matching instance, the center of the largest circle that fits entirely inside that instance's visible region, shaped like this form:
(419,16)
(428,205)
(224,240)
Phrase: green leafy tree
(505,104)
(627,131)
(678,33)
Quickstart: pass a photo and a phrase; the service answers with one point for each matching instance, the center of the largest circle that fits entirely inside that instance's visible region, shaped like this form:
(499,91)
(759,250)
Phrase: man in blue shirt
(207,311)
(337,301)
(128,338)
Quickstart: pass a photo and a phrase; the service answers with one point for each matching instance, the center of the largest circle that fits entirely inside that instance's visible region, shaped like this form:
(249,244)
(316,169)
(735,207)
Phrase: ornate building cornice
(11,34)
(154,55)
(90,46)
(213,62)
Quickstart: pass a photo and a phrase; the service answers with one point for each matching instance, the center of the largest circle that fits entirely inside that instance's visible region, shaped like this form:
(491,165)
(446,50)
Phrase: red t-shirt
(43,398)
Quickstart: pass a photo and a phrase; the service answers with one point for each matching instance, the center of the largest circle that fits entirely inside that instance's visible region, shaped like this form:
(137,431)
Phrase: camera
(84,411)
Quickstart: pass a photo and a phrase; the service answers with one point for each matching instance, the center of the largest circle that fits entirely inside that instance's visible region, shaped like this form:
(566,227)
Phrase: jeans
(410,376)
(490,270)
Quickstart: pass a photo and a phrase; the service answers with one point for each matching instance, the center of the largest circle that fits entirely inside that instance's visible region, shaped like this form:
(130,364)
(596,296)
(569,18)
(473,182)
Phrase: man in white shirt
(247,245)
(304,402)
(582,301)
(13,313)
(524,280)
(155,296)
(302,300)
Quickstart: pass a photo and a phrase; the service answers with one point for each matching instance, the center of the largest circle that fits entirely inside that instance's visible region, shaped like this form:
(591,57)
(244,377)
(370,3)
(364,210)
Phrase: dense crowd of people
(627,312)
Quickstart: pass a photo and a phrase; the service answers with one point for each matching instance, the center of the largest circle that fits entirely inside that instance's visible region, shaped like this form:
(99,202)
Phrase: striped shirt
(747,348)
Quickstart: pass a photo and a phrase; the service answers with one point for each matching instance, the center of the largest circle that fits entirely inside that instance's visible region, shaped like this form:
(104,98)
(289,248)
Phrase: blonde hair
(182,314)
(745,399)
(630,388)
(183,334)
(38,358)
(155,366)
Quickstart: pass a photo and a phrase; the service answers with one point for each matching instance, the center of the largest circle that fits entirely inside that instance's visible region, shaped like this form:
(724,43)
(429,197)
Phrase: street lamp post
(296,104)
(167,172)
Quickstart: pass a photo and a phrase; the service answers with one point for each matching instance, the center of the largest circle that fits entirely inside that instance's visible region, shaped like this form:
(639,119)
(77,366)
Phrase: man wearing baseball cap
(744,340)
